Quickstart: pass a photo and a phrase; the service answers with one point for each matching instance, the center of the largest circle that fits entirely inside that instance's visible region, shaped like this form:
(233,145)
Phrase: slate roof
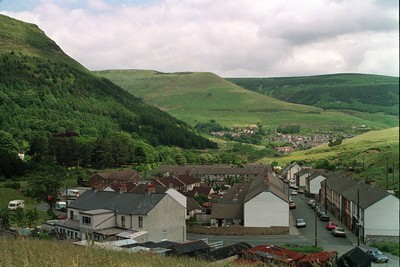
(354,258)
(128,174)
(122,203)
(167,181)
(273,185)
(141,189)
(227,211)
(188,179)
(314,175)
(349,188)
(192,204)
(189,247)
(202,190)
(225,252)
(217,169)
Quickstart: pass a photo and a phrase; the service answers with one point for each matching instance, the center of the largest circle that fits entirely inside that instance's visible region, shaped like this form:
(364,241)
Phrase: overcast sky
(231,38)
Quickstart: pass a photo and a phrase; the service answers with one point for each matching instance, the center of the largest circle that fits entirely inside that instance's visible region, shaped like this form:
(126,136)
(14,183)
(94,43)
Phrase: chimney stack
(150,188)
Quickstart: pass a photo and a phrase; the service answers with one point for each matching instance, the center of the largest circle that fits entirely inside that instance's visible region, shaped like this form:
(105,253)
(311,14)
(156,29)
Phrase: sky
(231,38)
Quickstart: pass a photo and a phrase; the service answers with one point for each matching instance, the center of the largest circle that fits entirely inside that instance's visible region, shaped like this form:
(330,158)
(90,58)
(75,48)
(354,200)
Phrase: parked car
(324,218)
(320,213)
(338,231)
(377,256)
(330,225)
(300,191)
(292,205)
(300,222)
(310,202)
(294,192)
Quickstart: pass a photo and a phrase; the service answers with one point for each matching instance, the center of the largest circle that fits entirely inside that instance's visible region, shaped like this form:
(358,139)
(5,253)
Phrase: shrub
(14,185)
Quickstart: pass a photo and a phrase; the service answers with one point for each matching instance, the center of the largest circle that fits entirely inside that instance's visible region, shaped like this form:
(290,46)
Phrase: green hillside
(42,89)
(369,154)
(359,92)
(200,97)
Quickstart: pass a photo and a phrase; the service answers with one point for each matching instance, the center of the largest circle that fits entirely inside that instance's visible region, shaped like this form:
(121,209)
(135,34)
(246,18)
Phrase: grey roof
(368,195)
(227,211)
(122,203)
(217,169)
(315,175)
(272,184)
(349,188)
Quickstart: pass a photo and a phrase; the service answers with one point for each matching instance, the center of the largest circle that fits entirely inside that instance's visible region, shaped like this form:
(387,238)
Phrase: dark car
(292,205)
(377,256)
(324,218)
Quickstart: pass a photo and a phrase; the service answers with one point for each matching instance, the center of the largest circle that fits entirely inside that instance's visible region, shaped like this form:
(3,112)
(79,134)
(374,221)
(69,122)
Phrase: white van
(60,205)
(14,204)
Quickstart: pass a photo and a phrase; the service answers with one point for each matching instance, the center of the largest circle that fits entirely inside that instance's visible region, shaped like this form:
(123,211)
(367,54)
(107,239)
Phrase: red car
(330,225)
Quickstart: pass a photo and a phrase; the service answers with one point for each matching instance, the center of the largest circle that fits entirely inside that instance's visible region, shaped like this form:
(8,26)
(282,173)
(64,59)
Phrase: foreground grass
(389,247)
(28,252)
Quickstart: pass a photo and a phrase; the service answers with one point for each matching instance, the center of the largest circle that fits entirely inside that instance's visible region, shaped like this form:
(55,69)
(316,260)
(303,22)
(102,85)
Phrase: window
(86,220)
(140,221)
(123,221)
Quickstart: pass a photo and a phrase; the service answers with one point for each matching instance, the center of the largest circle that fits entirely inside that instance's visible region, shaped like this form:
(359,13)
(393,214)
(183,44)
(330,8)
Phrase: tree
(10,163)
(31,217)
(44,187)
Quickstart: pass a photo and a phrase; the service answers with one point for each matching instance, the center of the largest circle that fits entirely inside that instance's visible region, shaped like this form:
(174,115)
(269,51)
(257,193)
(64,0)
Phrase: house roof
(122,203)
(270,184)
(313,176)
(192,204)
(167,181)
(203,190)
(217,169)
(281,254)
(355,257)
(188,179)
(349,188)
(287,168)
(127,174)
(319,257)
(227,211)
(369,195)
(225,252)
(189,247)
(141,188)
(309,171)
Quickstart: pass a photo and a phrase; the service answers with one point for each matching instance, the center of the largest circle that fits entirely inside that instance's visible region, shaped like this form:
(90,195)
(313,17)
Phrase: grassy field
(372,152)
(200,97)
(28,252)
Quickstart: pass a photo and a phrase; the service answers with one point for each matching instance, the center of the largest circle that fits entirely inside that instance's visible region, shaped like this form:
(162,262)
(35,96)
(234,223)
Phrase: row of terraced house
(367,210)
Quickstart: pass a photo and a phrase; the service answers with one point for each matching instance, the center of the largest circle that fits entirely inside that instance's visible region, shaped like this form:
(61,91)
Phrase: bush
(389,247)
(14,185)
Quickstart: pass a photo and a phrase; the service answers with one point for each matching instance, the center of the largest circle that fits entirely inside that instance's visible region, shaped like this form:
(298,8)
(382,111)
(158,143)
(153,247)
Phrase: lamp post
(316,231)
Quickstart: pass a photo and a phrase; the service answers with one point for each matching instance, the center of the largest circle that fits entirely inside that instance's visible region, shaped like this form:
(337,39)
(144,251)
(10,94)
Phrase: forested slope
(42,89)
(358,92)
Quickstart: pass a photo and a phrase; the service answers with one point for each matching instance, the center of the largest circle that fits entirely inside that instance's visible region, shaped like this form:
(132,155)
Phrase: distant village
(120,210)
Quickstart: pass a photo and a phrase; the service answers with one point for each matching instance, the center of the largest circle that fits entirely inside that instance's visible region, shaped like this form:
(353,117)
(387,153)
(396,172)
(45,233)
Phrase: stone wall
(237,230)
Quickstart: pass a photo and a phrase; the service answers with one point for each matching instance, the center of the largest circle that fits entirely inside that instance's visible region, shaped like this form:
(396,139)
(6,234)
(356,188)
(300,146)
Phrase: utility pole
(316,232)
(387,175)
(358,217)
(326,199)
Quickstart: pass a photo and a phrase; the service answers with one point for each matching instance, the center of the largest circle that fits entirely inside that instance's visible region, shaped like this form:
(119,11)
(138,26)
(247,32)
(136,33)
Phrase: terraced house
(365,209)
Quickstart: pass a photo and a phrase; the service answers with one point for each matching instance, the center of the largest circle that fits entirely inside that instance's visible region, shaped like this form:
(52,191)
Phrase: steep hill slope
(42,89)
(359,92)
(200,97)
